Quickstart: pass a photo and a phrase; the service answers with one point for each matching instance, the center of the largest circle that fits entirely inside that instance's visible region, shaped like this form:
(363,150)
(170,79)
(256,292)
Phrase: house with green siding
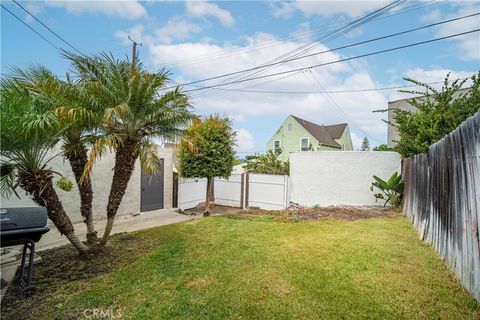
(296,134)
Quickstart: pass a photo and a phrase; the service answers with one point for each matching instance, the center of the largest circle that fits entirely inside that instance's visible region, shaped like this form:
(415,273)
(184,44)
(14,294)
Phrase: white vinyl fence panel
(228,192)
(269,192)
(191,192)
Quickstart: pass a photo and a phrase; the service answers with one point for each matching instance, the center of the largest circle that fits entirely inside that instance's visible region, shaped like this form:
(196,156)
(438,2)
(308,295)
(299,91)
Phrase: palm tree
(136,111)
(80,117)
(28,137)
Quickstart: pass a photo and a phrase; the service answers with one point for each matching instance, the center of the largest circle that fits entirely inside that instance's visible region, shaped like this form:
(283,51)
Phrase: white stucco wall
(101,180)
(339,178)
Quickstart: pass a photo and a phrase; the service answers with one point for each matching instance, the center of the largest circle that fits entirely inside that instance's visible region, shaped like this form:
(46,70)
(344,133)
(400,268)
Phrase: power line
(35,31)
(337,61)
(274,42)
(327,91)
(338,107)
(329,36)
(335,49)
(47,27)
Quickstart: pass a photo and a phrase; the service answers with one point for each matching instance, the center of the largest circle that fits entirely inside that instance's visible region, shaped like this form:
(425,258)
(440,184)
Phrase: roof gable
(324,134)
(336,130)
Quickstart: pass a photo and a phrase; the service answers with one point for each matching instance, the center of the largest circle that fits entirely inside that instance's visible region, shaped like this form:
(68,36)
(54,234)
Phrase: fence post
(247,181)
(242,191)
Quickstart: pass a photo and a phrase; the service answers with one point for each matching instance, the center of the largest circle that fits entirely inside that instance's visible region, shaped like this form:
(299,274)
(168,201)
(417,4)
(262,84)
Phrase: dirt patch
(316,213)
(200,282)
(303,213)
(214,210)
(64,267)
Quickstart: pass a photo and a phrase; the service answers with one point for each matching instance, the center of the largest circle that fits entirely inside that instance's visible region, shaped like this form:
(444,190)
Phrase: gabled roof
(323,134)
(336,130)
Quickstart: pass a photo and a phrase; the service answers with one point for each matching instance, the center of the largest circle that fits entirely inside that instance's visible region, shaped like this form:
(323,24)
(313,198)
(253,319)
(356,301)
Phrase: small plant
(65,184)
(391,190)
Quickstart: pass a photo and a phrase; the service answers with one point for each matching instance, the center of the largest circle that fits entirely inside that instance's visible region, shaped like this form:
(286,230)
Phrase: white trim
(308,143)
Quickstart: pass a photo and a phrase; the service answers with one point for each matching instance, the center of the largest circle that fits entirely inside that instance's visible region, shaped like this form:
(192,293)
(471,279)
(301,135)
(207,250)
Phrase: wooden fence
(442,196)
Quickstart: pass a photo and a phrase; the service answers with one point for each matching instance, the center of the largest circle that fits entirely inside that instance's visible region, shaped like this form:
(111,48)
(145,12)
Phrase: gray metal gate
(152,190)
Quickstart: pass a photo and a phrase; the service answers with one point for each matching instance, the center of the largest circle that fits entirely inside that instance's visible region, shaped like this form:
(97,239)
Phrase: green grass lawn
(240,267)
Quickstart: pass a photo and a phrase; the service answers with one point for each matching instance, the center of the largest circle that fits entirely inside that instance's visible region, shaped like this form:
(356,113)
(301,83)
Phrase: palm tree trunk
(208,196)
(40,186)
(78,160)
(125,158)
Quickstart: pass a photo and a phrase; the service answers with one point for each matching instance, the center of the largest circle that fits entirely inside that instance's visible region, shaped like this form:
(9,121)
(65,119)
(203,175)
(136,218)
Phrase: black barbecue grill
(23,226)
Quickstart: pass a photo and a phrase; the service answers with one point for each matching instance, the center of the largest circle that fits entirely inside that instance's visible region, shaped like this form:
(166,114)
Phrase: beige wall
(404,104)
(393,135)
(101,180)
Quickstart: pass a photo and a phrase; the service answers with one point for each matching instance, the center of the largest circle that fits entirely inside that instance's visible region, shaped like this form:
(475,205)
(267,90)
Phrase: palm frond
(102,144)
(149,159)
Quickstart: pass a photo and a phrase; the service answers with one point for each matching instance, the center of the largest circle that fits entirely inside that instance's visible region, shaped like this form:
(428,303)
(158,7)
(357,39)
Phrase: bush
(268,163)
(438,114)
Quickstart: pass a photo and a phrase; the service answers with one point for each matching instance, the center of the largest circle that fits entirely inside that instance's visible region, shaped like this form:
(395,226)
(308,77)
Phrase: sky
(199,39)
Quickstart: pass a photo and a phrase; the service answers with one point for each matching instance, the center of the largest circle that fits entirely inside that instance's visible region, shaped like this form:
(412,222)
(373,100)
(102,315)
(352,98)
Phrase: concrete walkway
(125,223)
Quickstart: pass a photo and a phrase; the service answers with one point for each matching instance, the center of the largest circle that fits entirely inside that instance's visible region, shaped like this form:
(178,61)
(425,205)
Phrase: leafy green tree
(137,109)
(438,113)
(365,145)
(28,137)
(382,147)
(207,151)
(268,163)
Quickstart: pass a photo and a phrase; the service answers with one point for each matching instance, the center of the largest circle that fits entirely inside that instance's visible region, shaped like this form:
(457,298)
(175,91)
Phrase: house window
(276,145)
(289,127)
(304,144)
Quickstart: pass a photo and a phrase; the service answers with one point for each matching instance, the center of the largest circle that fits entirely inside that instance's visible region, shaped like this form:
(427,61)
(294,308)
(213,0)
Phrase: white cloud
(429,76)
(325,8)
(282,9)
(177,28)
(128,9)
(356,140)
(33,7)
(315,107)
(244,140)
(434,75)
(468,45)
(136,33)
(432,16)
(356,108)
(203,8)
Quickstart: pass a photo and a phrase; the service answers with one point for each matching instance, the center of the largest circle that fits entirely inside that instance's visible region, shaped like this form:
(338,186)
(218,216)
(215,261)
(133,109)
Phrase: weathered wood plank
(442,197)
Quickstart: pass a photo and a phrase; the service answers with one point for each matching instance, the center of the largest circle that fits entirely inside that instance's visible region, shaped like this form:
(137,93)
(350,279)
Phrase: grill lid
(22,218)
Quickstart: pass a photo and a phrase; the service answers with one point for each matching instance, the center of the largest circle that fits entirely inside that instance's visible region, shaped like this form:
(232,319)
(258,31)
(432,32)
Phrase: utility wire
(329,36)
(274,42)
(35,31)
(326,91)
(332,101)
(336,49)
(336,61)
(47,27)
